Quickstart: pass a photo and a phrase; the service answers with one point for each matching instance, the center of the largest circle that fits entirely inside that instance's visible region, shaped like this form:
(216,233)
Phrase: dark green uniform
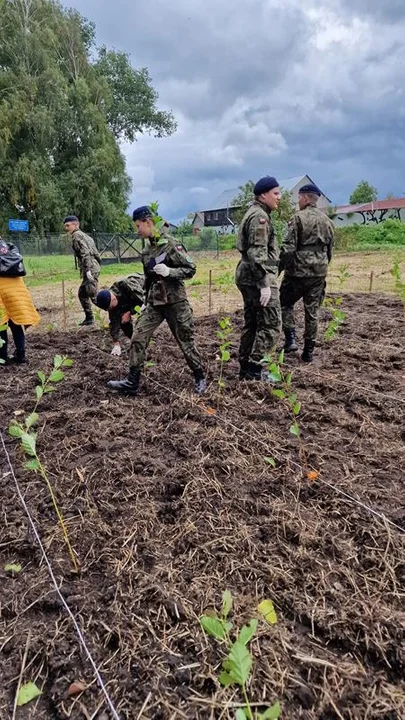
(129,293)
(304,256)
(166,299)
(88,259)
(257,268)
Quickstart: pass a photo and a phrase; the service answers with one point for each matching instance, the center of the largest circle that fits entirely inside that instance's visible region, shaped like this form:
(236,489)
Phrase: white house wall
(343,220)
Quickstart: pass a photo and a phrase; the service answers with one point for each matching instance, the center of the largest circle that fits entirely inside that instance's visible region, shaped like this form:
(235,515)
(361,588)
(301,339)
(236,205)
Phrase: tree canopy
(363,193)
(64,107)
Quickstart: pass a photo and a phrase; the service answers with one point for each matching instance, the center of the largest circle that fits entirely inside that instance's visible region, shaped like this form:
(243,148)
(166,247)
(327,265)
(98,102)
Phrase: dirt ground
(168,501)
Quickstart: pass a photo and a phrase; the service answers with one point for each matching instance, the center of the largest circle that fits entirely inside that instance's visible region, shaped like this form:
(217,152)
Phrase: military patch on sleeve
(289,223)
(262,221)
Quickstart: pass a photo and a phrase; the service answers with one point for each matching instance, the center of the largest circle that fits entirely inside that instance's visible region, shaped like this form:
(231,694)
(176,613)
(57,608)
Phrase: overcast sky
(264,87)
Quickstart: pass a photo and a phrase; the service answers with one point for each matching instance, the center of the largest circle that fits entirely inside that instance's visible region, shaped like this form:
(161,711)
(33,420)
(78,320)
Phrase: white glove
(265,295)
(89,276)
(143,307)
(162,269)
(116,350)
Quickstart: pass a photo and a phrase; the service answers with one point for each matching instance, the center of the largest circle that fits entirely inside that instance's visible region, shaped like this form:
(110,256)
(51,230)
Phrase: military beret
(310,188)
(103,299)
(265,184)
(71,218)
(142,213)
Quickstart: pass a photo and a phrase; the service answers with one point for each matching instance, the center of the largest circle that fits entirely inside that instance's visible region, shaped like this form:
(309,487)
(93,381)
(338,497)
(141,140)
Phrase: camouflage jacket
(86,253)
(258,247)
(129,293)
(166,290)
(307,248)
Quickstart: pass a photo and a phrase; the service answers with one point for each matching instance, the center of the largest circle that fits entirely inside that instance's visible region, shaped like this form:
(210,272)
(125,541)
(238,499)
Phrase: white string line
(64,603)
(338,490)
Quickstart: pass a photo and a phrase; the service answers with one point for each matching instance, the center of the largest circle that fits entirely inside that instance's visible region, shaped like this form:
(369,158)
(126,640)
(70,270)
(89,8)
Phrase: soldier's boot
(18,359)
(128,386)
(88,320)
(200,385)
(308,351)
(290,344)
(243,369)
(254,371)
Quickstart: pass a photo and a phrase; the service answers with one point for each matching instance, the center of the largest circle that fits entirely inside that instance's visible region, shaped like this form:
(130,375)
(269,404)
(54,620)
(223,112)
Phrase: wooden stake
(64,304)
(210,293)
(371,280)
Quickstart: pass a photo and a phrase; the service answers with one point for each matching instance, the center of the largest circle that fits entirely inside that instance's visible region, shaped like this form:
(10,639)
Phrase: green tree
(363,193)
(62,114)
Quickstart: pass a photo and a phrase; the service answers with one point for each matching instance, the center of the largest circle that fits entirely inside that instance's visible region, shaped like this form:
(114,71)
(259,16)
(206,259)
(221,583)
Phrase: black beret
(142,213)
(71,218)
(265,184)
(103,299)
(310,188)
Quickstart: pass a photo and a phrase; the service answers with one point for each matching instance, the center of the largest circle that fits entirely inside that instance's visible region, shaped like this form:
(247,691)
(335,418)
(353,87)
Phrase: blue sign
(18,225)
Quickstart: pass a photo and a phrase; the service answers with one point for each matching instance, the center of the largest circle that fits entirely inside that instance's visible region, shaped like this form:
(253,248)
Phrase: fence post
(64,304)
(371,281)
(210,292)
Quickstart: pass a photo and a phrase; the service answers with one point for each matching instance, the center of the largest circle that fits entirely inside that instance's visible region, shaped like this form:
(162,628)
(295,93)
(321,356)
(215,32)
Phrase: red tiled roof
(389,204)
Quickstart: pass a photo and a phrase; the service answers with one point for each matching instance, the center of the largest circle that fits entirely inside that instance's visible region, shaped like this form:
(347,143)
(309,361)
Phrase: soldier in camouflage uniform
(88,260)
(121,300)
(166,266)
(256,278)
(304,256)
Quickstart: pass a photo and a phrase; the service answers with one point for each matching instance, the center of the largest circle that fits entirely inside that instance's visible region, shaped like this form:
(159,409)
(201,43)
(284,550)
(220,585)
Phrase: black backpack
(11,262)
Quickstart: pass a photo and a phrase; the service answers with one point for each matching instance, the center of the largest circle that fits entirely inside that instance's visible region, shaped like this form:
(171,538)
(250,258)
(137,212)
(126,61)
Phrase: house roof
(389,204)
(224,200)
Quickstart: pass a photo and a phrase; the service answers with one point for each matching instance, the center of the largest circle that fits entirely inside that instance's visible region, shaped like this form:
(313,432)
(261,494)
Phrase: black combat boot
(254,371)
(307,353)
(200,382)
(128,386)
(17,359)
(290,344)
(243,369)
(88,320)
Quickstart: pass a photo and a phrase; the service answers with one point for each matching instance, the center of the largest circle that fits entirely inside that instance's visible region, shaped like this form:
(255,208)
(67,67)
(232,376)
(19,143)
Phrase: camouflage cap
(311,189)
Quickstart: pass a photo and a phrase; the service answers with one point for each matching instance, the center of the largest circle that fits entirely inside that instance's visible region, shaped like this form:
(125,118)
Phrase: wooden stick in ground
(64,304)
(371,280)
(210,292)
(21,672)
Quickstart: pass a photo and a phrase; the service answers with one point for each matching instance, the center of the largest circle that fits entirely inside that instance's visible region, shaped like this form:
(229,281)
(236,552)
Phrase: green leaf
(15,430)
(27,692)
(292,398)
(240,714)
(49,388)
(226,603)
(213,627)
(273,377)
(221,383)
(225,355)
(38,392)
(266,609)
(32,464)
(226,679)
(281,358)
(279,394)
(247,631)
(67,362)
(288,379)
(56,376)
(240,662)
(31,420)
(28,442)
(295,430)
(57,361)
(272,713)
(41,376)
(13,568)
(297,408)
(270,461)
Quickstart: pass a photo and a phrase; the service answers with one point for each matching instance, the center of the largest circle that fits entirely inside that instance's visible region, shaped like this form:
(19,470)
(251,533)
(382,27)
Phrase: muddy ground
(168,501)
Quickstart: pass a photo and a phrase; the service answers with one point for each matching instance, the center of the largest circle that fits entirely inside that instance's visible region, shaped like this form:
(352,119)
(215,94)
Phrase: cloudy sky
(278,87)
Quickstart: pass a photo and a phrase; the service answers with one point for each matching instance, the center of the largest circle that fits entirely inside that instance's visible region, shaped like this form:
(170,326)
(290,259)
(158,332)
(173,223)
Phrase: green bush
(360,237)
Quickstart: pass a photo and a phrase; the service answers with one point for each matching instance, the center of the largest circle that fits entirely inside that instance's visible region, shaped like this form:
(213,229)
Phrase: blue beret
(310,188)
(71,218)
(103,299)
(142,213)
(265,184)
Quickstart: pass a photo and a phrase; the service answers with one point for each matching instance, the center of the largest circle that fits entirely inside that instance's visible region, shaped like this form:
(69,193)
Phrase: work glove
(89,276)
(265,296)
(116,350)
(143,307)
(162,269)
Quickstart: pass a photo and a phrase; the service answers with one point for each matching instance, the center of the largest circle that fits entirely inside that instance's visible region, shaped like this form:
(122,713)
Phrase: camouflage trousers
(88,291)
(261,324)
(179,317)
(312,292)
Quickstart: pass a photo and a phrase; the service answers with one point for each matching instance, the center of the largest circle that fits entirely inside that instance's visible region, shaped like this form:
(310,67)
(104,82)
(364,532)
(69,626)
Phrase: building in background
(367,213)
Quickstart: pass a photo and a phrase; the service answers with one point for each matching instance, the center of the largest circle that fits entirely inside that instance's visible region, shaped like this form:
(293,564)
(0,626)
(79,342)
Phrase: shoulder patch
(179,247)
(262,221)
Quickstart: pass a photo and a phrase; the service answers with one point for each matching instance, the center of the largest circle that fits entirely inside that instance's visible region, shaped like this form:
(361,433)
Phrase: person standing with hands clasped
(256,278)
(166,266)
(88,259)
